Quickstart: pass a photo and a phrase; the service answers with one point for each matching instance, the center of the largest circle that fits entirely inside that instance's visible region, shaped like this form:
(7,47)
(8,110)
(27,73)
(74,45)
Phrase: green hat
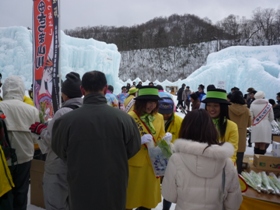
(132,90)
(216,96)
(148,93)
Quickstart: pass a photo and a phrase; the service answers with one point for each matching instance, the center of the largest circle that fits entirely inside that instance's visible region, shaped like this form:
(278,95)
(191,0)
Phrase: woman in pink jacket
(200,174)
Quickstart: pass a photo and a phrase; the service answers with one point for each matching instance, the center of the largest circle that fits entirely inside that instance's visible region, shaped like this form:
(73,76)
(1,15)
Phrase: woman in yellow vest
(217,107)
(143,191)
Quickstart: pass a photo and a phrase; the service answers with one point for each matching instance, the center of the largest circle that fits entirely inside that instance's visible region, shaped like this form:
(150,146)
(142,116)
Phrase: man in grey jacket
(96,141)
(55,186)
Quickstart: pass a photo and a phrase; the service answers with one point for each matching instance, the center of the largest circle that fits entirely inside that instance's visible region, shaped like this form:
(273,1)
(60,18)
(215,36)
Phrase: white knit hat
(259,95)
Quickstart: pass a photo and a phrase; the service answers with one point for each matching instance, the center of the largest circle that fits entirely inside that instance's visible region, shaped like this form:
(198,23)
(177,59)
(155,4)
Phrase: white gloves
(168,137)
(146,138)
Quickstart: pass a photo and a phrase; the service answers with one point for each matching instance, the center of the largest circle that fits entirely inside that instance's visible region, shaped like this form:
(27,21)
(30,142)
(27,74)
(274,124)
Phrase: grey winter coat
(53,164)
(96,141)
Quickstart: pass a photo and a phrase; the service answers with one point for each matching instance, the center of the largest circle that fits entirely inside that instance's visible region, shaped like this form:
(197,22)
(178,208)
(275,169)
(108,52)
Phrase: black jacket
(276,111)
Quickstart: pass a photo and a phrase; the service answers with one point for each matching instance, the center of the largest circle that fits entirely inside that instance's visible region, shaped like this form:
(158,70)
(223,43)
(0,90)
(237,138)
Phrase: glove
(167,137)
(146,138)
(37,128)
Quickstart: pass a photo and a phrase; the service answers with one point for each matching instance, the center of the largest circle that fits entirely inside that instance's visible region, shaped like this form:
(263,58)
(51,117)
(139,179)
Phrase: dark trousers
(180,103)
(20,174)
(6,201)
(166,205)
(239,161)
(187,104)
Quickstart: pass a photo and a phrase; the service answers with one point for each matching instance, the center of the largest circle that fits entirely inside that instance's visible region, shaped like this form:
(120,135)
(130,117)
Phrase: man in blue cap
(172,124)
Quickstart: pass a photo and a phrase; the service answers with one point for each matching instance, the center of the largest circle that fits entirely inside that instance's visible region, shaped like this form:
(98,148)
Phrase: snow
(240,66)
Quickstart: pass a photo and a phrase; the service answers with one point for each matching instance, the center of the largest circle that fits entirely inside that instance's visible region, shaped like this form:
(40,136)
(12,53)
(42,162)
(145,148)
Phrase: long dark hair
(222,124)
(198,126)
(140,106)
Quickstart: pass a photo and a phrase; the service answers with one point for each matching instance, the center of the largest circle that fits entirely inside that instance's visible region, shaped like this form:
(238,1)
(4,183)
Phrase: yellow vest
(28,100)
(6,181)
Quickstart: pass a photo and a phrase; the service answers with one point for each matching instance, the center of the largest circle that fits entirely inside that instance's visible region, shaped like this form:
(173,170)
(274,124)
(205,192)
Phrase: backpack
(9,152)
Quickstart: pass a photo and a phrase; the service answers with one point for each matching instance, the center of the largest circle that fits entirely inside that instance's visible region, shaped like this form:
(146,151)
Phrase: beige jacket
(193,178)
(19,117)
(241,115)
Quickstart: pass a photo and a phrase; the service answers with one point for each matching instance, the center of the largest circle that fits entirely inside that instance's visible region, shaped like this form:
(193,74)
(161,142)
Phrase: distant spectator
(278,98)
(151,84)
(251,98)
(234,89)
(186,97)
(201,92)
(180,97)
(209,87)
(111,98)
(276,109)
(195,102)
(134,84)
(129,101)
(121,97)
(139,85)
(128,87)
(247,95)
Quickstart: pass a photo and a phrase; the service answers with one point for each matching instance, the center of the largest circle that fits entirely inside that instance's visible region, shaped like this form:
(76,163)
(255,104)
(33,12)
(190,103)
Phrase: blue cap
(166,106)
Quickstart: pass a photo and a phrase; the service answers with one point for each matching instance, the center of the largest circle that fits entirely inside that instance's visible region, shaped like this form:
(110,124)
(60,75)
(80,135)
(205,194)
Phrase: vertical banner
(46,93)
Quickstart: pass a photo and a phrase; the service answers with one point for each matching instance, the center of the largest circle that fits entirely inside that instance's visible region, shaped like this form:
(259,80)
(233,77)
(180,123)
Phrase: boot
(256,150)
(249,142)
(262,151)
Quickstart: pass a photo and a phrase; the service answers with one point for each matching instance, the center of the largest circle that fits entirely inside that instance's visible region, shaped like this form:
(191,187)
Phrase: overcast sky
(80,13)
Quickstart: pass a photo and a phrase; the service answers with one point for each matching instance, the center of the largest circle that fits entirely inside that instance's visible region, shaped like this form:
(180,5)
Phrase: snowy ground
(249,151)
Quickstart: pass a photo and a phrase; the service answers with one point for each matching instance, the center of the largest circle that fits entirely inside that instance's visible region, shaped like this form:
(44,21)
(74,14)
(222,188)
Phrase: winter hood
(238,109)
(204,163)
(13,88)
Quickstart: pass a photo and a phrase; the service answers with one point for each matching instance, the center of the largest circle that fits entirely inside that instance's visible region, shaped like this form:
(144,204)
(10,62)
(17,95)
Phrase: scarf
(148,120)
(168,122)
(216,123)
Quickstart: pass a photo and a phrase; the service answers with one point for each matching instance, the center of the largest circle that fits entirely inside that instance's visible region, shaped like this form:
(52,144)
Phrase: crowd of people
(98,146)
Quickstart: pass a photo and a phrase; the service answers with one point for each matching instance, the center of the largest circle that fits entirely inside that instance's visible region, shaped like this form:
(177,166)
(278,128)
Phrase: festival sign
(46,93)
